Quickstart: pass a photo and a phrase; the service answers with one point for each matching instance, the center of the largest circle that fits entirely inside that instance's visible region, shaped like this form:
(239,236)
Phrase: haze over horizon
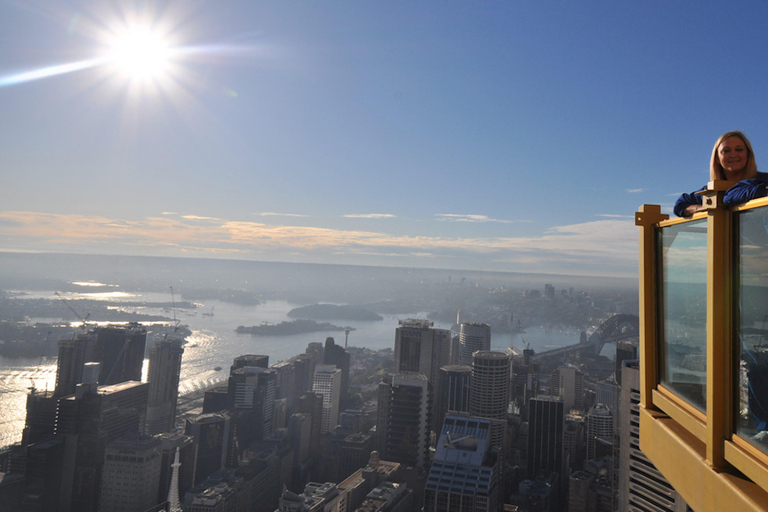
(496,136)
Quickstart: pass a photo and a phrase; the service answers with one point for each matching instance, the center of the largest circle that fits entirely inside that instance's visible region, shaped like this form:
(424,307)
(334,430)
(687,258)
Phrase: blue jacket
(741,192)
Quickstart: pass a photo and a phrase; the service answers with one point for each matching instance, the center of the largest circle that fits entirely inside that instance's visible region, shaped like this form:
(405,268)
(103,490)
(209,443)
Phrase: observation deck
(704,351)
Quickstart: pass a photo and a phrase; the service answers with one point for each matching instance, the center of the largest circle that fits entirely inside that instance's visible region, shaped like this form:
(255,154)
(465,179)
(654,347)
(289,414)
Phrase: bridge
(616,328)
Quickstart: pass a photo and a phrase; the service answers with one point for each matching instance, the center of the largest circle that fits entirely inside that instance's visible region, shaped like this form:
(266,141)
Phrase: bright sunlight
(140,54)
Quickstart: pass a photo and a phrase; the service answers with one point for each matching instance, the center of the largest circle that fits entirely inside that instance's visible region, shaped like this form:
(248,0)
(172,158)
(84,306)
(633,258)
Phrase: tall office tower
(43,476)
(252,360)
(336,355)
(355,453)
(525,381)
(405,427)
(473,337)
(300,434)
(40,421)
(212,434)
(327,382)
(453,391)
(608,393)
(312,404)
(642,487)
(545,436)
(599,429)
(303,372)
(465,471)
(131,474)
(625,351)
(251,402)
(120,350)
(580,495)
(573,441)
(285,382)
(419,348)
(567,382)
(489,392)
(315,350)
(163,377)
(87,421)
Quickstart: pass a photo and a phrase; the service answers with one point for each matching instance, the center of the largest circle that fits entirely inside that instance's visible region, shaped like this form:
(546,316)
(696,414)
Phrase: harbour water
(214,344)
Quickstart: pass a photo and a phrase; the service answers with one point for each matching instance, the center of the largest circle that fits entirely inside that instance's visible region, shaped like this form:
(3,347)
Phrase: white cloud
(635,190)
(274,214)
(455,217)
(370,216)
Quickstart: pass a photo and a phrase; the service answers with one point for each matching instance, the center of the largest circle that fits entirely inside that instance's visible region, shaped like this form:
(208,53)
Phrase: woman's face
(733,155)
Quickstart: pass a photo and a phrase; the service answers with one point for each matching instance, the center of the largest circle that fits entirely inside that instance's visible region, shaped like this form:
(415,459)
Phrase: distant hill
(334,312)
(288,328)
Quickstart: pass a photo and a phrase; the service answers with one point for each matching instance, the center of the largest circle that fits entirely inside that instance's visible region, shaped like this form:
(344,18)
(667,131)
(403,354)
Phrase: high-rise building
(87,421)
(327,382)
(212,434)
(312,404)
(336,355)
(642,487)
(163,377)
(465,470)
(489,392)
(453,391)
(404,426)
(420,348)
(252,360)
(599,429)
(120,350)
(567,382)
(545,436)
(473,337)
(251,401)
(131,474)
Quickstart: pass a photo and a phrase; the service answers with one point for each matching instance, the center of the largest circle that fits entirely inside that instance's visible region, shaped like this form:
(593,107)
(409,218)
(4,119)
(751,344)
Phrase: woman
(732,160)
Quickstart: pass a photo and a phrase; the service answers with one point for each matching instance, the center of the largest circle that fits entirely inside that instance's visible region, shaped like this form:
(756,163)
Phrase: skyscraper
(131,474)
(420,348)
(404,425)
(473,337)
(545,436)
(163,377)
(119,349)
(465,472)
(327,382)
(567,382)
(336,355)
(87,421)
(489,392)
(599,428)
(453,392)
(642,487)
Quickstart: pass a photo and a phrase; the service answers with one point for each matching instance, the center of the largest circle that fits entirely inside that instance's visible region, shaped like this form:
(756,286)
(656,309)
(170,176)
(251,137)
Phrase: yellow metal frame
(698,453)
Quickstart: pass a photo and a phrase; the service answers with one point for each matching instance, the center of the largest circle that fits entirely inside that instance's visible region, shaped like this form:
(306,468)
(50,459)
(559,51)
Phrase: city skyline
(494,136)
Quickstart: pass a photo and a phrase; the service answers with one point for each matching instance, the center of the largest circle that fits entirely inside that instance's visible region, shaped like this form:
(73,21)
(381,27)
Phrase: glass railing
(683,311)
(751,320)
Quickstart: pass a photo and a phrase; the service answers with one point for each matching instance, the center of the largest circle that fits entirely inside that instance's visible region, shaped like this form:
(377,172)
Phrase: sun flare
(140,54)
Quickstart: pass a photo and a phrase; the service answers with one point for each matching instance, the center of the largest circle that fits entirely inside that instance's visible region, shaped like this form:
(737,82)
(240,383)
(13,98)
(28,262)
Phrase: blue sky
(501,135)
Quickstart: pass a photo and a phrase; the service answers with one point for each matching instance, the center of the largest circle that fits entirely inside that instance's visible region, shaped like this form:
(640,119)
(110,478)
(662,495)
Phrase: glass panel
(683,350)
(752,321)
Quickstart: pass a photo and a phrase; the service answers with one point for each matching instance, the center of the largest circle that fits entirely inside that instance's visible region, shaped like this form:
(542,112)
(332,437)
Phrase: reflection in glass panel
(752,320)
(683,349)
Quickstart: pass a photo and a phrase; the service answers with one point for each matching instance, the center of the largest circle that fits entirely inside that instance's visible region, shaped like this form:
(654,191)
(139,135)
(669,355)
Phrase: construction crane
(84,320)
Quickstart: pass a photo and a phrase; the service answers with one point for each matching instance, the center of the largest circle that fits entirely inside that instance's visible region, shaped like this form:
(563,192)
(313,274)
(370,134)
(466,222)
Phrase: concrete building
(599,428)
(465,472)
(567,382)
(489,392)
(473,337)
(404,418)
(163,377)
(420,348)
(327,382)
(131,474)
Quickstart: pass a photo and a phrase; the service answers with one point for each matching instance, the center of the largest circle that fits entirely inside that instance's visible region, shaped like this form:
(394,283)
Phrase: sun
(139,53)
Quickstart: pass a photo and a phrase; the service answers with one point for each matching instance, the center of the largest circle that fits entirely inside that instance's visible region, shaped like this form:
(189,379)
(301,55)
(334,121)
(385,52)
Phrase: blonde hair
(716,170)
